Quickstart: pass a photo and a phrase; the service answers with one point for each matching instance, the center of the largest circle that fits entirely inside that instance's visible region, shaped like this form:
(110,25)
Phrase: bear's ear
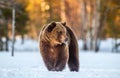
(64,23)
(51,26)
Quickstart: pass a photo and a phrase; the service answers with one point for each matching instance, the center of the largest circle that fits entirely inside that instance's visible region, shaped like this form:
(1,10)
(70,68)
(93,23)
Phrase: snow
(29,45)
(30,65)
(106,45)
(27,62)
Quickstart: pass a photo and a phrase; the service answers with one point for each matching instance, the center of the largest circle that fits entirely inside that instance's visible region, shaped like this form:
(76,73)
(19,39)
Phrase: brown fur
(58,46)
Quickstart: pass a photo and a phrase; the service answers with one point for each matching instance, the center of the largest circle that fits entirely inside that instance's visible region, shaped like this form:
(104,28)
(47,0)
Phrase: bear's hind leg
(73,61)
(73,66)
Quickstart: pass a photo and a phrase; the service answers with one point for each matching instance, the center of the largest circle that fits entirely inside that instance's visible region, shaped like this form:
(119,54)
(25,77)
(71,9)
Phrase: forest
(91,20)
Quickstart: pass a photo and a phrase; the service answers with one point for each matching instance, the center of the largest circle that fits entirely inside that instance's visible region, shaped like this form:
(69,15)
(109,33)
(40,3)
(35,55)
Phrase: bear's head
(56,33)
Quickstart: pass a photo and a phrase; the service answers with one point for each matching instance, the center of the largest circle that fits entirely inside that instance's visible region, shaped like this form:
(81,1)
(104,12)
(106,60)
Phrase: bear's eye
(59,32)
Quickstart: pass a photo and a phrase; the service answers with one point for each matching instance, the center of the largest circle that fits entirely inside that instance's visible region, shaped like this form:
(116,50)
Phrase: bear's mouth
(63,42)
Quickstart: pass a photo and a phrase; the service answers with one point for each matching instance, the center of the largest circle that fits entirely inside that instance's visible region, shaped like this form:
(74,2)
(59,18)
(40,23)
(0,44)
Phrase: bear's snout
(63,39)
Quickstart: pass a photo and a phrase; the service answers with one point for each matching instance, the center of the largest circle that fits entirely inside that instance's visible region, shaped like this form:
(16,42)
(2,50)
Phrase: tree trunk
(97,24)
(6,43)
(84,24)
(1,45)
(22,36)
(63,17)
(51,16)
(100,27)
(7,39)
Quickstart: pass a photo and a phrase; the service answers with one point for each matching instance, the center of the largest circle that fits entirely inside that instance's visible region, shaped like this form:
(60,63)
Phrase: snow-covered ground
(30,65)
(29,45)
(27,62)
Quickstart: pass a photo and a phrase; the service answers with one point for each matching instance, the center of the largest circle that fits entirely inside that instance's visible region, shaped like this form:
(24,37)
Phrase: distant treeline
(91,20)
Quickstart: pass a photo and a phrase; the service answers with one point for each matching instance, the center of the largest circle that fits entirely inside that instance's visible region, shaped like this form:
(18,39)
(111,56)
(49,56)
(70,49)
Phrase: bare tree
(92,23)
(84,24)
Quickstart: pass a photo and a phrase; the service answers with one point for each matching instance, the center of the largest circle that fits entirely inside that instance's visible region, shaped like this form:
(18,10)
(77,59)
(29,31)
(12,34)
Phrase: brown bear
(58,46)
